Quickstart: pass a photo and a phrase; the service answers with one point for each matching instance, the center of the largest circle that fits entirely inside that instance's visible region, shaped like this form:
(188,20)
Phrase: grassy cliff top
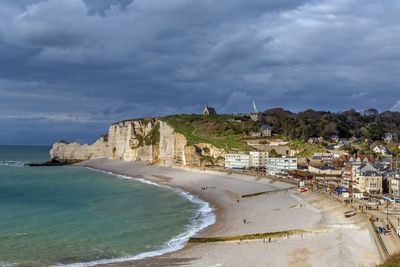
(222,131)
(143,120)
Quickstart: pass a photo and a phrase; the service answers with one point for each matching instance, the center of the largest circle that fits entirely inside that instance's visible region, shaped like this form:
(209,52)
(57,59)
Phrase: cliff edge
(150,141)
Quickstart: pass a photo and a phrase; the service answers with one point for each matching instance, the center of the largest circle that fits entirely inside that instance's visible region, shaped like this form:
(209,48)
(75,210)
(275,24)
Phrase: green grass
(392,261)
(306,149)
(153,137)
(215,129)
(361,146)
(143,120)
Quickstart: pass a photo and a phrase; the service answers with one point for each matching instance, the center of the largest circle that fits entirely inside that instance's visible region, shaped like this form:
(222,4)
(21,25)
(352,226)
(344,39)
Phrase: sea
(73,216)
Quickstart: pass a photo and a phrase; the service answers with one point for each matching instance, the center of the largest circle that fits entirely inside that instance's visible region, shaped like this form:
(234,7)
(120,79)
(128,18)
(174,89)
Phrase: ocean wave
(203,218)
(5,264)
(12,163)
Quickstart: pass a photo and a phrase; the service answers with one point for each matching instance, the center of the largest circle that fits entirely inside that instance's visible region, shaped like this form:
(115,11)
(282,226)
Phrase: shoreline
(215,208)
(181,239)
(223,193)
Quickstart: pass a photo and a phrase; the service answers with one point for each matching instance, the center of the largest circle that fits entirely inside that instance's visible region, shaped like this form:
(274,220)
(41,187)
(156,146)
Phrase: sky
(70,68)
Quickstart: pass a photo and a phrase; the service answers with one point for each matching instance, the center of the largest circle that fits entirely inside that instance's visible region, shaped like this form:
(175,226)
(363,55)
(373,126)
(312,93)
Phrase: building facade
(258,159)
(367,178)
(371,183)
(237,161)
(379,149)
(277,165)
(324,170)
(266,130)
(390,138)
(209,110)
(256,116)
(243,160)
(347,177)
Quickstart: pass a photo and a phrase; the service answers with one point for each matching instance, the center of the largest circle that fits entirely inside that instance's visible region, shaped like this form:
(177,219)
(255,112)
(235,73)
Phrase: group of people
(372,219)
(382,229)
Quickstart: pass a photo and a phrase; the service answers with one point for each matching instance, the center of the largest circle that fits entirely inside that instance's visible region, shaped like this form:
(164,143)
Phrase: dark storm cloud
(74,66)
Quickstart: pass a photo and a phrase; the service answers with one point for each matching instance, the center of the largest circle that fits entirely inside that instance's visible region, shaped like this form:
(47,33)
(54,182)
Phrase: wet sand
(332,239)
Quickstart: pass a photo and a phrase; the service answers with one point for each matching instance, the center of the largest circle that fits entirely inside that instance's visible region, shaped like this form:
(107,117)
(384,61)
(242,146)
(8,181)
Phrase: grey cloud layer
(75,62)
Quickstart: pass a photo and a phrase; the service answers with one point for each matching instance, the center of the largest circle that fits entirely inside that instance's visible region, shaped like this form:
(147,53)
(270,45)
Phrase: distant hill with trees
(369,124)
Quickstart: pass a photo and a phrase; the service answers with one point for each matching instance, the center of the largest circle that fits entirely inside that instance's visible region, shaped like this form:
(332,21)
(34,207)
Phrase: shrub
(105,137)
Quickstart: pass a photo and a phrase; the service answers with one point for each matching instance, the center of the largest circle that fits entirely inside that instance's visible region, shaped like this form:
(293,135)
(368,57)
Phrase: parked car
(388,198)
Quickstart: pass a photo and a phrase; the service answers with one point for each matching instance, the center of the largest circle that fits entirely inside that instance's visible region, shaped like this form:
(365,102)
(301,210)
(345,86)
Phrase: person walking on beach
(244,221)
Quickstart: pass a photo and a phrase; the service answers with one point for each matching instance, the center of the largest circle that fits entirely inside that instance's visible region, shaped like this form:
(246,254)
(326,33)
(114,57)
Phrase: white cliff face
(75,151)
(126,141)
(147,141)
(172,146)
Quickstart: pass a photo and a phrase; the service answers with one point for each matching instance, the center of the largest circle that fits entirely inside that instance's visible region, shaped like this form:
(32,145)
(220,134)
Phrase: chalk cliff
(149,141)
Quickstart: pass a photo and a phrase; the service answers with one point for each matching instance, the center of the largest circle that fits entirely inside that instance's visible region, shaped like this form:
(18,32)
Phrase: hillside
(222,131)
(369,124)
(230,131)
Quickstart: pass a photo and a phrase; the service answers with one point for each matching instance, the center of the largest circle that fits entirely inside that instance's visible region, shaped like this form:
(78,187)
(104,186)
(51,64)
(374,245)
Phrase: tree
(274,154)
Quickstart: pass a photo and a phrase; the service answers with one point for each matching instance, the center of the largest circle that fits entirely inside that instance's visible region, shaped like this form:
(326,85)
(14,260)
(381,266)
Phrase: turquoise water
(64,215)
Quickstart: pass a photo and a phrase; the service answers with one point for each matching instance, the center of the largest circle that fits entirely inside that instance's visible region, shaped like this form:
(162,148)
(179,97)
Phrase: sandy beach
(330,240)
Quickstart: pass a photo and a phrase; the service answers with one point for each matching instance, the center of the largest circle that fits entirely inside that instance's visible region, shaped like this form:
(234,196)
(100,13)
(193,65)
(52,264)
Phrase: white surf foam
(12,163)
(203,218)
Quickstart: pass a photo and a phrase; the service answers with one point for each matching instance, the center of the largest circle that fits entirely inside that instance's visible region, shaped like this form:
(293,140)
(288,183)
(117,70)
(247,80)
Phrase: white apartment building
(237,161)
(276,165)
(258,159)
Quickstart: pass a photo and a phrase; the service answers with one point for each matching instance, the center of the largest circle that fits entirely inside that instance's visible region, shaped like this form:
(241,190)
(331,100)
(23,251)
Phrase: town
(362,176)
(373,174)
(368,182)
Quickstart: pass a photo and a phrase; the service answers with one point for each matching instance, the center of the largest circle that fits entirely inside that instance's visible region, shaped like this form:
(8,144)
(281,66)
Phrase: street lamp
(387,210)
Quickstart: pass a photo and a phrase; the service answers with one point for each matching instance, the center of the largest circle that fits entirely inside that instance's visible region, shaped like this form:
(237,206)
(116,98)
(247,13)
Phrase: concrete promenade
(388,242)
